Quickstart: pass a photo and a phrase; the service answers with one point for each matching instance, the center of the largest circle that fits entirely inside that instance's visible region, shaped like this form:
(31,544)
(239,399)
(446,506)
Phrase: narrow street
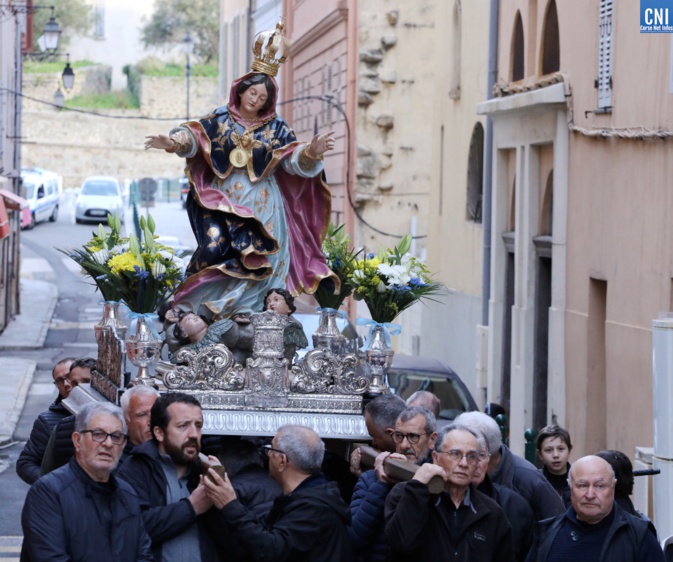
(70,334)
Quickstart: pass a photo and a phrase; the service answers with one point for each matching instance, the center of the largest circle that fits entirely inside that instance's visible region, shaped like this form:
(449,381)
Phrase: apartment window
(604,81)
(475,174)
(550,41)
(517,49)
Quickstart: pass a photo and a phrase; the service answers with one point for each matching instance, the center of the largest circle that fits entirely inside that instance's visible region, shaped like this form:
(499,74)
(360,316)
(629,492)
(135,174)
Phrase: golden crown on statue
(266,47)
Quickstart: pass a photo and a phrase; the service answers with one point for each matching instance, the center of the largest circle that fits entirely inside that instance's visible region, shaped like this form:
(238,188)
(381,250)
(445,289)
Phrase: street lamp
(68,75)
(188,48)
(59,99)
(50,35)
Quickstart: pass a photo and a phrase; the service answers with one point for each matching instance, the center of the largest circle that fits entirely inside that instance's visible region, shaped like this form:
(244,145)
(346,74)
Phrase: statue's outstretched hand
(162,142)
(321,144)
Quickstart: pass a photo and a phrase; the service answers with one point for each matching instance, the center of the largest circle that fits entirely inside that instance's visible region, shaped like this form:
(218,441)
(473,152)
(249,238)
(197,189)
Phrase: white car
(42,190)
(99,196)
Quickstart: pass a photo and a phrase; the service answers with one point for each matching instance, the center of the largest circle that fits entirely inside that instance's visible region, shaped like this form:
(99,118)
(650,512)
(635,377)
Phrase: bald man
(594,528)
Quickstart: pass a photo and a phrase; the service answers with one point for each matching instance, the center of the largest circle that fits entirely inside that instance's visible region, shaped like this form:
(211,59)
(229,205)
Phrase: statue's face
(253,99)
(277,304)
(192,325)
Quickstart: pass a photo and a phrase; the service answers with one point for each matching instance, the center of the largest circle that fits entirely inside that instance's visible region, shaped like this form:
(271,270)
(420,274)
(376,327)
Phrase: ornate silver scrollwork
(324,372)
(211,368)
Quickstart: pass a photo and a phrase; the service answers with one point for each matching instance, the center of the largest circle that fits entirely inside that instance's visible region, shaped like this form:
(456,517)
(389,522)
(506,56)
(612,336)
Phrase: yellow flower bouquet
(391,281)
(140,274)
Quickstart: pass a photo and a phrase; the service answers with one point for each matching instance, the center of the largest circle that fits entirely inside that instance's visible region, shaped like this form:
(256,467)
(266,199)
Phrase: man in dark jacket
(414,434)
(595,528)
(81,512)
(460,523)
(30,459)
(165,472)
(136,404)
(512,471)
(516,509)
(307,523)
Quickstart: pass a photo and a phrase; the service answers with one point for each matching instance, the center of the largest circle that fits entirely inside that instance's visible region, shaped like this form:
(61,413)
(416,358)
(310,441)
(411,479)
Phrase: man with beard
(165,471)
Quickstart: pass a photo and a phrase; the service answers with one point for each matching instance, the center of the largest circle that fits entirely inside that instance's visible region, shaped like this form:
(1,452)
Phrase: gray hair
(139,390)
(411,413)
(441,436)
(426,399)
(302,446)
(88,411)
(384,410)
(486,425)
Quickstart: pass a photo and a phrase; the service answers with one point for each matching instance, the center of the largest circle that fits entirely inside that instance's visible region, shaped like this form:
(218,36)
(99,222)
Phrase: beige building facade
(581,231)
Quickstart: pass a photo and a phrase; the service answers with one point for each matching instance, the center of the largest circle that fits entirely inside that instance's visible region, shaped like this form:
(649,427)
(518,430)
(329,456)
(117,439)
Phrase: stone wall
(77,145)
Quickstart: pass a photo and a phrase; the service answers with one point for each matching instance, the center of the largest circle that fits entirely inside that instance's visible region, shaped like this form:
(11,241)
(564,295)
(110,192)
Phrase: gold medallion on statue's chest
(239,157)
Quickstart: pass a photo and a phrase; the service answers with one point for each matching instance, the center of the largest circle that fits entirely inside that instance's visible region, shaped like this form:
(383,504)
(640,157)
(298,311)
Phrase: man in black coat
(30,459)
(511,471)
(459,523)
(81,512)
(165,472)
(307,523)
(594,528)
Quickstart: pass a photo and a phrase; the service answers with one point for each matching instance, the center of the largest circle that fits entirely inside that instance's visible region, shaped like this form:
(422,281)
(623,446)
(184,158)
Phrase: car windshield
(452,396)
(28,190)
(99,187)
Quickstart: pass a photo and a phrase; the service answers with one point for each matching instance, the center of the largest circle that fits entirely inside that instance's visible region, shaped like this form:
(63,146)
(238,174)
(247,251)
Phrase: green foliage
(172,19)
(107,100)
(340,259)
(73,16)
(392,281)
(133,83)
(141,274)
(152,66)
(52,66)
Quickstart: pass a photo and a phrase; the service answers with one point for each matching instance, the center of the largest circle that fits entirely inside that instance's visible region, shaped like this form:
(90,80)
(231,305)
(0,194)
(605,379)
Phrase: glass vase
(378,356)
(111,320)
(143,349)
(328,336)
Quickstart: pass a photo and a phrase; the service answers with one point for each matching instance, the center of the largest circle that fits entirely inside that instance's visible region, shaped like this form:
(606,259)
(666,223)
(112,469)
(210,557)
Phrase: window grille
(604,82)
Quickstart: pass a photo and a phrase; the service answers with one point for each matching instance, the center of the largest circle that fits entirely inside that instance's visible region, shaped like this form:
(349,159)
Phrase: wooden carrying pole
(397,469)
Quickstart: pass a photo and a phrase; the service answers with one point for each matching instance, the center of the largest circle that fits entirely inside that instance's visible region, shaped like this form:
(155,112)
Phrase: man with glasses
(166,473)
(307,523)
(30,459)
(459,523)
(81,512)
(414,434)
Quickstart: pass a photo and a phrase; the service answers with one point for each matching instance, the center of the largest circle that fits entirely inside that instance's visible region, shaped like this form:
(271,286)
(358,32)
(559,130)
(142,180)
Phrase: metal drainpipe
(488,160)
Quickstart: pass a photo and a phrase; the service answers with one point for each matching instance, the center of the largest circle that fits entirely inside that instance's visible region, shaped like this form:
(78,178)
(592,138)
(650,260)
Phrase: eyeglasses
(266,450)
(99,436)
(456,456)
(60,381)
(413,438)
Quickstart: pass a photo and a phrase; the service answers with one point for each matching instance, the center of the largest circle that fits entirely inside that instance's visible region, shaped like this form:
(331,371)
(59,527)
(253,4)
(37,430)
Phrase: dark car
(410,373)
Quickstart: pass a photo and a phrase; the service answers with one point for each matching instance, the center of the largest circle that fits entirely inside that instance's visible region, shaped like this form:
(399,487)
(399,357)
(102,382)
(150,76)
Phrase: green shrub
(152,66)
(44,67)
(108,100)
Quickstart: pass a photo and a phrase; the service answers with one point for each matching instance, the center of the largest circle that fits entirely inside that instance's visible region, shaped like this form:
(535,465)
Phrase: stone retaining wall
(77,145)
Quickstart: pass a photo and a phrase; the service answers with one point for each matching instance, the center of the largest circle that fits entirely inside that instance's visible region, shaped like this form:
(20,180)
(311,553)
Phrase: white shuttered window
(605,54)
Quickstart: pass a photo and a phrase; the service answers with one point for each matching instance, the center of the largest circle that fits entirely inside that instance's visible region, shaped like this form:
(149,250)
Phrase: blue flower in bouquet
(392,281)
